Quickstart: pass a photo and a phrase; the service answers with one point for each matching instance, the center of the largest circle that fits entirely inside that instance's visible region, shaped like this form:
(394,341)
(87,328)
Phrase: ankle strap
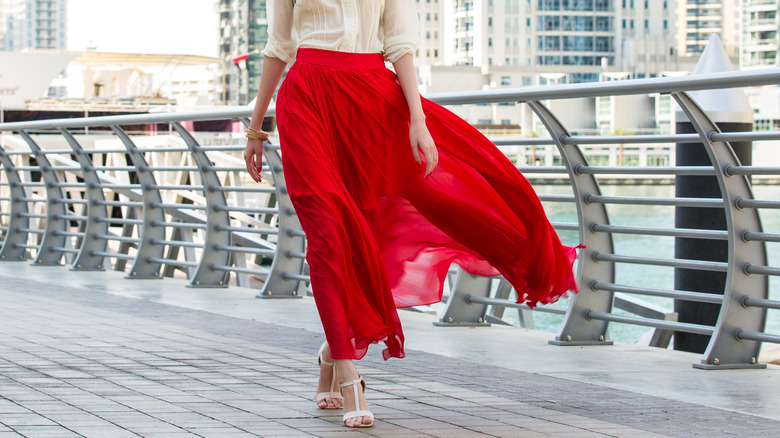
(350,383)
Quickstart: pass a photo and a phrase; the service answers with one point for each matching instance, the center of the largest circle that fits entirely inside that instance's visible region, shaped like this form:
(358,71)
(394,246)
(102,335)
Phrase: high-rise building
(431,48)
(698,19)
(243,34)
(486,32)
(33,24)
(645,37)
(580,33)
(3,22)
(576,39)
(759,35)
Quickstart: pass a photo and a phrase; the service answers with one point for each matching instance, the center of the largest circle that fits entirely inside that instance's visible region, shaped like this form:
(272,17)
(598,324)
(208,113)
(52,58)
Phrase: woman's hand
(421,140)
(253,155)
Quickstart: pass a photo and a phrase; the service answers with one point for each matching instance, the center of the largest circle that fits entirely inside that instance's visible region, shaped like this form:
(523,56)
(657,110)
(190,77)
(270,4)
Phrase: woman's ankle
(346,370)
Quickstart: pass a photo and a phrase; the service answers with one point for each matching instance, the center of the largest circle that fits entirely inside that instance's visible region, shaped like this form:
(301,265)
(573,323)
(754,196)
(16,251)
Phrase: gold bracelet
(256,134)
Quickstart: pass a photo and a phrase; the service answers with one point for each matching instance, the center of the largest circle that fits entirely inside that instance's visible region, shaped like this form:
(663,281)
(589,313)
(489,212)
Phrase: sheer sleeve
(401,29)
(281,41)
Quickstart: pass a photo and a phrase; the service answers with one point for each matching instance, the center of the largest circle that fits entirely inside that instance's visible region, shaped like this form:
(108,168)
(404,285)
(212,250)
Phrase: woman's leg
(325,384)
(348,373)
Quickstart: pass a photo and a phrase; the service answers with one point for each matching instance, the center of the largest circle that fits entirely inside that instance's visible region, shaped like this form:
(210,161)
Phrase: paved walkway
(90,354)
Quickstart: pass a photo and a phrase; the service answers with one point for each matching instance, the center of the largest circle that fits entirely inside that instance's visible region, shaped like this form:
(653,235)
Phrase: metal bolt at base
(480,320)
(568,338)
(753,361)
(269,293)
(295,293)
(450,320)
(716,361)
(601,338)
(78,266)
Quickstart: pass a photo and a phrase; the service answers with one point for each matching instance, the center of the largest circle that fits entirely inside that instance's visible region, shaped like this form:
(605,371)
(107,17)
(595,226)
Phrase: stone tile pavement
(76,361)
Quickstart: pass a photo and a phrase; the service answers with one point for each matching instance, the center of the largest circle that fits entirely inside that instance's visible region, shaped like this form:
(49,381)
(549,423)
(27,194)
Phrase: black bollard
(694,186)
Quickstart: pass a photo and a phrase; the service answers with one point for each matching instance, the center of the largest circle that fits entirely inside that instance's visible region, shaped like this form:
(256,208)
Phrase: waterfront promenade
(93,354)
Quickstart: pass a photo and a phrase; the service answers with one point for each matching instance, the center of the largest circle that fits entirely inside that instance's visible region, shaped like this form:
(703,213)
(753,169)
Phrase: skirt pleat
(379,234)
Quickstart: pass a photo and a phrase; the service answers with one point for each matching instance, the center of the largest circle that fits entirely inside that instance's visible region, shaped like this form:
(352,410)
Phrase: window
(506,80)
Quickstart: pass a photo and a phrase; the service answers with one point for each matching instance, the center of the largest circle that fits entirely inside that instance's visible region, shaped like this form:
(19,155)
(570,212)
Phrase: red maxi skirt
(380,235)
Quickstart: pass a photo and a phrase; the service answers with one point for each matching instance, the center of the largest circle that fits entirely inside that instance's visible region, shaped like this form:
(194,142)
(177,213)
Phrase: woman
(389,188)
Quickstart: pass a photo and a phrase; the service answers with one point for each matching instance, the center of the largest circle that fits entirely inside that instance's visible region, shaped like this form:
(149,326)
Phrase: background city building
(243,34)
(579,39)
(759,35)
(698,19)
(3,22)
(33,24)
(645,38)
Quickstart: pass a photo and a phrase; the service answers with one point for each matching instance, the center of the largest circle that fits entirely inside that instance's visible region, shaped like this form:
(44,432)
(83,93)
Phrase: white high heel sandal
(333,392)
(357,412)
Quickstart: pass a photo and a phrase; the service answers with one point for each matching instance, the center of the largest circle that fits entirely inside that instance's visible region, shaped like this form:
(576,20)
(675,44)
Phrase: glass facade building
(33,24)
(575,32)
(243,34)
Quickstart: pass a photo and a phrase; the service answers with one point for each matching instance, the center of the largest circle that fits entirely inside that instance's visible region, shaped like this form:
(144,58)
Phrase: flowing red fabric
(380,235)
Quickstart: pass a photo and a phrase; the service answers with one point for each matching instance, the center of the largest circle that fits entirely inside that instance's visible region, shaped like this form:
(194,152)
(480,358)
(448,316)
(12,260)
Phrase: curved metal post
(284,278)
(283,281)
(18,221)
(216,214)
(577,329)
(153,229)
(460,312)
(86,260)
(726,350)
(56,224)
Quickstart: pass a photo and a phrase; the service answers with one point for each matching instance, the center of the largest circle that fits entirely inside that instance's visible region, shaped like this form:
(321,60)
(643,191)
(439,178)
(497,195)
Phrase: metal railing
(182,204)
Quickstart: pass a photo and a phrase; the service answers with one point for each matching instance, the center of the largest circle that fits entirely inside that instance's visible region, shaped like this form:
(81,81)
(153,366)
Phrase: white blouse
(357,26)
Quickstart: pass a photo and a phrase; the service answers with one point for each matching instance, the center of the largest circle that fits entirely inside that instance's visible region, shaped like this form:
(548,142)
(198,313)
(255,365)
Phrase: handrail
(769,76)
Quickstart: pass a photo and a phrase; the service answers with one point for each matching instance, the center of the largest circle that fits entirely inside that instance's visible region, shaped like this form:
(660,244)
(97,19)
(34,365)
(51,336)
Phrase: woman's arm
(279,50)
(419,136)
(273,69)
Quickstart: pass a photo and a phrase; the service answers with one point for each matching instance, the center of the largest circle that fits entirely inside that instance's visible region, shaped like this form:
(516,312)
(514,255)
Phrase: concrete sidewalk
(92,354)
